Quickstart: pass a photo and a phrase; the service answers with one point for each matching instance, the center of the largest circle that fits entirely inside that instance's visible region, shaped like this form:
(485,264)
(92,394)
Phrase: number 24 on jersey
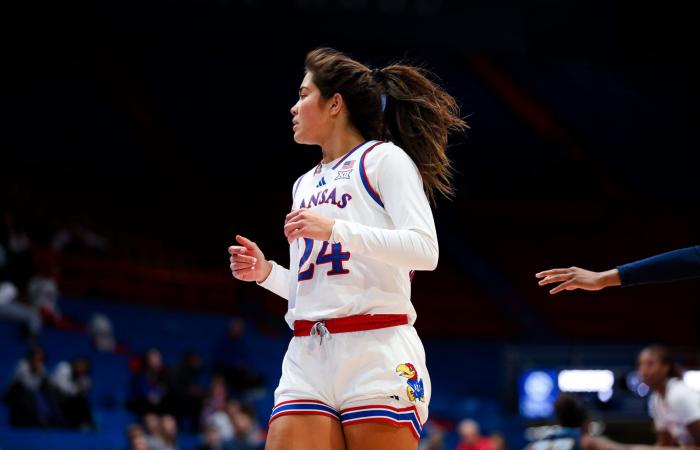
(335,257)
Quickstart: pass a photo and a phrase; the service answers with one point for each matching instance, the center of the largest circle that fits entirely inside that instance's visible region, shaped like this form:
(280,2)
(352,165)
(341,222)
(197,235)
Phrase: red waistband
(352,323)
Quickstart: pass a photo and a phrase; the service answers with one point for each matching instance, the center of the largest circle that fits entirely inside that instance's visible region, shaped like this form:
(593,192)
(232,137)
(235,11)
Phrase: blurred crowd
(29,289)
(165,400)
(211,400)
(192,398)
(470,437)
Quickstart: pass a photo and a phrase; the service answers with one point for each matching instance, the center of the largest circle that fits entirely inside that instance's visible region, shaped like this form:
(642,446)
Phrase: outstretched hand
(576,278)
(248,262)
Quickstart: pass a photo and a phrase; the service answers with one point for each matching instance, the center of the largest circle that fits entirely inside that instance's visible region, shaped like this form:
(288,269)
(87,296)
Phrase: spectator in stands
(232,360)
(18,251)
(72,383)
(222,420)
(160,432)
(79,239)
(470,437)
(134,430)
(246,431)
(151,426)
(212,440)
(31,400)
(138,442)
(434,438)
(42,294)
(187,389)
(214,408)
(149,391)
(137,438)
(498,441)
(12,309)
(102,334)
(168,432)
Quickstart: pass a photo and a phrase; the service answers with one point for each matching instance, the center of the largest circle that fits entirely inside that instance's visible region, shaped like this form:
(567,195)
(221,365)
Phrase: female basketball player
(681,264)
(354,375)
(674,406)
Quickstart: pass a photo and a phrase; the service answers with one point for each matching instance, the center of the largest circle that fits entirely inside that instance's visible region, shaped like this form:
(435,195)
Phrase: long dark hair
(399,103)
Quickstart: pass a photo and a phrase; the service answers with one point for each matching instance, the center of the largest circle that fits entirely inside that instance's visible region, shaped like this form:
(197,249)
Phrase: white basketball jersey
(366,266)
(329,279)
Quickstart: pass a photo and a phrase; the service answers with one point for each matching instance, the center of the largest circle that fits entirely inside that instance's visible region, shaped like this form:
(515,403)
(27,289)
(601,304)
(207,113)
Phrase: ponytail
(398,103)
(418,117)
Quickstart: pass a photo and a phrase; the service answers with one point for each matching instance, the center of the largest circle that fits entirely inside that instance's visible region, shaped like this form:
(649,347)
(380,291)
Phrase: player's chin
(299,137)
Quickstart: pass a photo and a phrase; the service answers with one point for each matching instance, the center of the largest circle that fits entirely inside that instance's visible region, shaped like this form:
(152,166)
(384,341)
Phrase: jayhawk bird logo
(415,385)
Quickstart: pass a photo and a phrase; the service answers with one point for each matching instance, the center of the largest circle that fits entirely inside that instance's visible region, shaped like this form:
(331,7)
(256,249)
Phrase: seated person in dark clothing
(232,360)
(149,389)
(72,383)
(187,388)
(30,397)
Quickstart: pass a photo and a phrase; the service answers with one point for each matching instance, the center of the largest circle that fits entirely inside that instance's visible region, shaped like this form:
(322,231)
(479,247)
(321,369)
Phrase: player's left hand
(303,223)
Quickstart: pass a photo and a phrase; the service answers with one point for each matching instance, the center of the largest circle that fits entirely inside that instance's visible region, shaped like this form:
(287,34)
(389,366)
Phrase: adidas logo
(322,182)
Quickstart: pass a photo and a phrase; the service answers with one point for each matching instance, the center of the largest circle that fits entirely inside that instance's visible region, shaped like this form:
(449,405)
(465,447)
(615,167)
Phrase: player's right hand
(248,262)
(574,278)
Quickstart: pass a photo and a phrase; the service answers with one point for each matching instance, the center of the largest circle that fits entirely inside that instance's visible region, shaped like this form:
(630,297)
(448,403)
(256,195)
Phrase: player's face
(651,370)
(310,118)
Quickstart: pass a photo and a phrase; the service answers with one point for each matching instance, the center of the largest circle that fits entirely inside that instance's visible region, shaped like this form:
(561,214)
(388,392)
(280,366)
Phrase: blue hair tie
(383,99)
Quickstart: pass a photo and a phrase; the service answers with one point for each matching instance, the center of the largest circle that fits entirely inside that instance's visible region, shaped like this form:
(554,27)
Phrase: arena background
(146,135)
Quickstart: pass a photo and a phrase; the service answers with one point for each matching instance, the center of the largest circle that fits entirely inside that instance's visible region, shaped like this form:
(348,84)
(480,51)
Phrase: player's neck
(339,144)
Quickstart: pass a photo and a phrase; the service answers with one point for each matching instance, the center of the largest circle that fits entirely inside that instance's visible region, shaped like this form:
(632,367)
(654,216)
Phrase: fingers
(245,242)
(550,272)
(296,234)
(293,214)
(236,266)
(291,226)
(567,286)
(243,259)
(236,250)
(239,266)
(555,279)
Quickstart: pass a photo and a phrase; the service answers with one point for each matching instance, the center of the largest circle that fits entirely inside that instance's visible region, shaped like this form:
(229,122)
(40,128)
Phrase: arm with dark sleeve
(671,266)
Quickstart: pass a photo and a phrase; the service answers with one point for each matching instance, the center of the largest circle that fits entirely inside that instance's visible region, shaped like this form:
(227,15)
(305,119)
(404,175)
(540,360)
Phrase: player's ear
(336,104)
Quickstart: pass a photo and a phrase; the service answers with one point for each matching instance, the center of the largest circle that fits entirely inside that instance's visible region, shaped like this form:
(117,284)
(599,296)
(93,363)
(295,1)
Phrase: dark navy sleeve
(671,266)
